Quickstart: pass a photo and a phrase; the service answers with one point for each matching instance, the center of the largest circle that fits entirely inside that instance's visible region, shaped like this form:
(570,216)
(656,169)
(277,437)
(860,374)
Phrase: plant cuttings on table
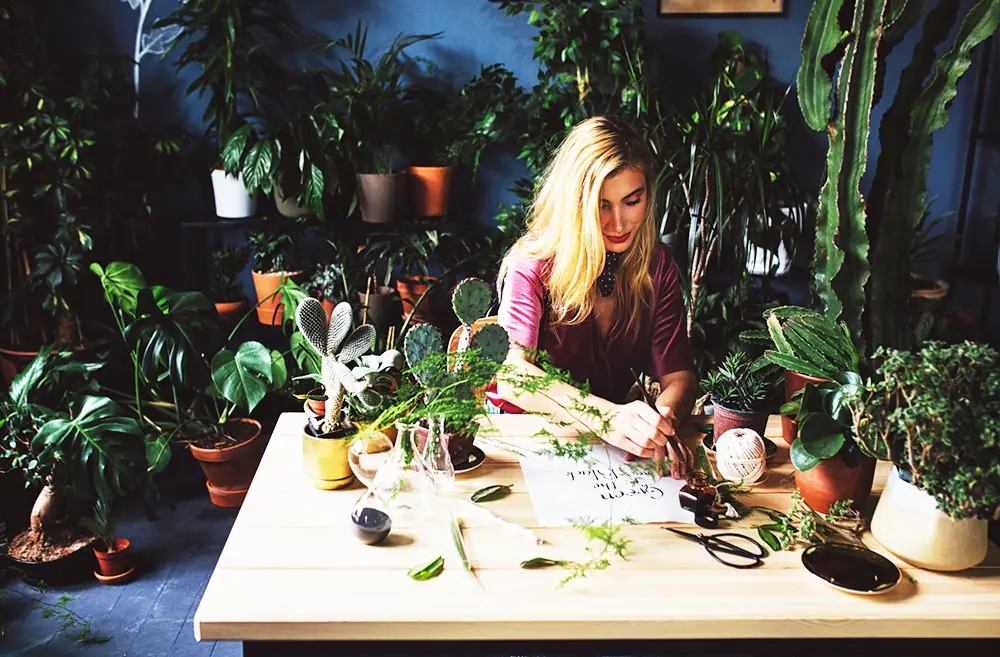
(803,526)
(491,493)
(608,537)
(428,570)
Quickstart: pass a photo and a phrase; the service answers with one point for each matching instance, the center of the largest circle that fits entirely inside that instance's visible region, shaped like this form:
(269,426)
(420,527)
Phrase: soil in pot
(55,556)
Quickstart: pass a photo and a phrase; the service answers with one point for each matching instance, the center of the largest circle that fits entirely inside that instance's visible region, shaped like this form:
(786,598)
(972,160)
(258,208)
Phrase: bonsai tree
(935,413)
(227,262)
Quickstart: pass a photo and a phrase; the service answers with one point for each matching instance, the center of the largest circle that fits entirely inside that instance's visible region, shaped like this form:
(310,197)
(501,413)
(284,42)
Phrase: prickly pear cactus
(471,300)
(422,341)
(336,345)
(492,342)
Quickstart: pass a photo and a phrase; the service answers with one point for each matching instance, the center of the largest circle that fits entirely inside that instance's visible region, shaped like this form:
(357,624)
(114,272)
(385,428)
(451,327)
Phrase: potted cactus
(454,383)
(326,438)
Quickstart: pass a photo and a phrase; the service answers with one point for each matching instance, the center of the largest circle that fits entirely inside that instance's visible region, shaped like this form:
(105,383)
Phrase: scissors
(738,557)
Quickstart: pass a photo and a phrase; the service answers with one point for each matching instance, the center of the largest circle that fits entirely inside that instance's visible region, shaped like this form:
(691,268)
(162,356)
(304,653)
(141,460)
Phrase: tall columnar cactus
(337,345)
(846,226)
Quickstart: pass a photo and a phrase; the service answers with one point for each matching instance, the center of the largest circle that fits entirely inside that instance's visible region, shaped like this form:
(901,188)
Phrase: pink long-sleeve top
(660,347)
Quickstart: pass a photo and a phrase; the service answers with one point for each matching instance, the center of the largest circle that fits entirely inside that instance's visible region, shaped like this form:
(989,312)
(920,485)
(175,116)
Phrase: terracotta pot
(429,190)
(908,523)
(832,481)
(12,361)
(324,460)
(410,290)
(270,311)
(230,311)
(793,383)
(328,307)
(379,196)
(315,406)
(230,470)
(383,309)
(114,563)
(726,419)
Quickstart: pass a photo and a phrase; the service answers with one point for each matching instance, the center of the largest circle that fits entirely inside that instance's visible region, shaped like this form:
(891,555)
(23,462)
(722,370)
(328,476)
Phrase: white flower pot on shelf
(232,201)
(760,260)
(908,523)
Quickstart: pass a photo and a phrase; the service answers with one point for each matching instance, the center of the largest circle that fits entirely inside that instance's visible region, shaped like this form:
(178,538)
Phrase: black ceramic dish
(851,568)
(476,459)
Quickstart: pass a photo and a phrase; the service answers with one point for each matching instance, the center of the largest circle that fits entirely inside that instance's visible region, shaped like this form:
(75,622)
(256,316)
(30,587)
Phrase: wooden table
(292,570)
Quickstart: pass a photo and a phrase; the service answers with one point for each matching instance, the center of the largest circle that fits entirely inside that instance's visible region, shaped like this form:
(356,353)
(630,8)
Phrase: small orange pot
(725,419)
(315,406)
(110,564)
(328,307)
(410,290)
(793,383)
(430,188)
(230,311)
(270,311)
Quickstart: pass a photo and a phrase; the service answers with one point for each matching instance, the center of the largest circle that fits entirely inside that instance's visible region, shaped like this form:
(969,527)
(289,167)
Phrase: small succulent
(372,370)
(337,345)
(740,384)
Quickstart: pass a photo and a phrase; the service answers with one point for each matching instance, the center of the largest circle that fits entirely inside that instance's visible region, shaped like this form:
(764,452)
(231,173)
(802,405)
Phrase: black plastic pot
(75,567)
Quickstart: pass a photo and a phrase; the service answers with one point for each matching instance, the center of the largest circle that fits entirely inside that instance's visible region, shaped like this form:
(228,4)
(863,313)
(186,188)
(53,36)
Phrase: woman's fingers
(622,441)
(659,426)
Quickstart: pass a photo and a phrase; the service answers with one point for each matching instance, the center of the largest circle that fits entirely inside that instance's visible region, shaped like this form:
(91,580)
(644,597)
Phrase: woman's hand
(647,433)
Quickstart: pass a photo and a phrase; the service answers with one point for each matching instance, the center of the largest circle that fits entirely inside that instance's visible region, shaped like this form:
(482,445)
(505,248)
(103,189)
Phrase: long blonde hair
(564,227)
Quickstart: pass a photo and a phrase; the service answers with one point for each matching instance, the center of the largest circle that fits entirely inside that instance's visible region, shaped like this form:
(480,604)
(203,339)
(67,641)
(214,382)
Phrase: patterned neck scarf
(606,281)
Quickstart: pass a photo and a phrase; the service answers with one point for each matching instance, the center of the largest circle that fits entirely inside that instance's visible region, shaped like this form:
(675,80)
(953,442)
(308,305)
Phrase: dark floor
(152,614)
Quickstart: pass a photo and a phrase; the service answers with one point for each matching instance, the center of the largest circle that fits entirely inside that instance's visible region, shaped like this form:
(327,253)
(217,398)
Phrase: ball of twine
(740,455)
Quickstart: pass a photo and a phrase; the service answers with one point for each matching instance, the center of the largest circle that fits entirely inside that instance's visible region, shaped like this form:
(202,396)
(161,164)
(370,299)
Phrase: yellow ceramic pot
(324,461)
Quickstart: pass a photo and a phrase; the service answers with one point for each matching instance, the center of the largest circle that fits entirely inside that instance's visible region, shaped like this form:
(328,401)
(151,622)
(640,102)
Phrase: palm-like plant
(370,98)
(738,385)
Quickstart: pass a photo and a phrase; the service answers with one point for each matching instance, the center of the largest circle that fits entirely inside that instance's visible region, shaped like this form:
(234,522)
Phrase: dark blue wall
(477,32)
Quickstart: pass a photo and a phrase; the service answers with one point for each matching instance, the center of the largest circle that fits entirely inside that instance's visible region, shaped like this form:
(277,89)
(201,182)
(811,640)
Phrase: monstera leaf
(245,377)
(171,328)
(101,448)
(122,282)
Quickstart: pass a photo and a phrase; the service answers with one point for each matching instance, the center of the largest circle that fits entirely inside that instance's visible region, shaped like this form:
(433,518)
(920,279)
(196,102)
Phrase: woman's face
(623,205)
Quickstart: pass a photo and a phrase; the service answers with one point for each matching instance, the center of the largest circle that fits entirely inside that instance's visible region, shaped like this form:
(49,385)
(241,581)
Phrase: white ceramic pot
(232,201)
(908,523)
(760,260)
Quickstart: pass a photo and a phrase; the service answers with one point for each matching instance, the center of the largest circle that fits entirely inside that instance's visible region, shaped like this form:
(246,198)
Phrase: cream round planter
(289,207)
(232,201)
(908,523)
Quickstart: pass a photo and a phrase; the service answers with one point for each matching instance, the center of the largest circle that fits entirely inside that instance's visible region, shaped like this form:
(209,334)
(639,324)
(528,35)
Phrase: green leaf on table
(491,493)
(768,537)
(542,562)
(428,570)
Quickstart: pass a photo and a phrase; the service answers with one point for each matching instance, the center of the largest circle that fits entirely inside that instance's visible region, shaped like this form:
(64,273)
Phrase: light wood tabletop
(293,570)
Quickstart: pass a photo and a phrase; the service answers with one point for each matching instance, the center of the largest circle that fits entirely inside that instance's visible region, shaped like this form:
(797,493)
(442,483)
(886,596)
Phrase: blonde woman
(591,285)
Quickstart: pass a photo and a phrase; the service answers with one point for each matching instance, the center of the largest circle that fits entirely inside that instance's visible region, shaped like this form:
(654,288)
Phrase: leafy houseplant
(860,272)
(329,283)
(730,182)
(276,261)
(371,111)
(740,393)
(224,39)
(450,129)
(935,414)
(115,561)
(226,292)
(453,382)
(179,390)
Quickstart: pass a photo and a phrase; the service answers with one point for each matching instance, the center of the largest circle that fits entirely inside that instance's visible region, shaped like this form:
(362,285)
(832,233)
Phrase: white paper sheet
(564,491)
